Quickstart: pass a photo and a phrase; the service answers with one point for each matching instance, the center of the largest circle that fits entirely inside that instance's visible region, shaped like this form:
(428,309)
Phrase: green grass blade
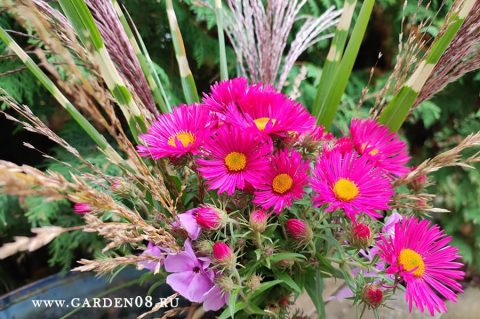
(82,20)
(342,73)
(188,83)
(98,138)
(221,40)
(334,56)
(143,57)
(395,113)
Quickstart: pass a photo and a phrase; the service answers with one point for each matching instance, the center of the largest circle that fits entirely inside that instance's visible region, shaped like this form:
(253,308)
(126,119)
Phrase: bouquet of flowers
(242,200)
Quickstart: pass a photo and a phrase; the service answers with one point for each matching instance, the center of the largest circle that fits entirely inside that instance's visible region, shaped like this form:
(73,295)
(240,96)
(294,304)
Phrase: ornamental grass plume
(243,199)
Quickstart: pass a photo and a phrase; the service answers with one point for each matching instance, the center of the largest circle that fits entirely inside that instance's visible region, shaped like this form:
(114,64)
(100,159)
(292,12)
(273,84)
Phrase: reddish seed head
(373,296)
(284,302)
(82,208)
(258,220)
(210,218)
(298,230)
(222,252)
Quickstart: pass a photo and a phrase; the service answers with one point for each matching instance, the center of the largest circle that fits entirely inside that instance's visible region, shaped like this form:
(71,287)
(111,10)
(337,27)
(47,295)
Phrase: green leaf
(280,256)
(332,100)
(428,112)
(464,249)
(287,280)
(314,288)
(263,287)
(237,306)
(232,299)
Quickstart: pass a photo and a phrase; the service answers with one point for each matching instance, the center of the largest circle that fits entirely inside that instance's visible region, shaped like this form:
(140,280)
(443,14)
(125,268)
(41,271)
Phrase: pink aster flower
(82,208)
(343,144)
(225,93)
(317,133)
(176,134)
(233,158)
(351,183)
(282,181)
(420,255)
(190,275)
(271,113)
(382,147)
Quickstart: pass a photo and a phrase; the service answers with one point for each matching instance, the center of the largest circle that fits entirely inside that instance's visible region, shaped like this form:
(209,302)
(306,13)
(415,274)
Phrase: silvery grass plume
(259,34)
(85,90)
(120,49)
(461,57)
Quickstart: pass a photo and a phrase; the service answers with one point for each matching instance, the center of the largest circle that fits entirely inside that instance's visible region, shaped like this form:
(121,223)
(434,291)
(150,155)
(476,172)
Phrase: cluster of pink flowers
(252,140)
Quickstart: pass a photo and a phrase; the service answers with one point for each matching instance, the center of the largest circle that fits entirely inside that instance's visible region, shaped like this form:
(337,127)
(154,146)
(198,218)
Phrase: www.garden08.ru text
(137,302)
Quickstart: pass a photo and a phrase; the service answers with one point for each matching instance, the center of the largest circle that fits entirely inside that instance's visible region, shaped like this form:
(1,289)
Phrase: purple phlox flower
(389,227)
(188,222)
(215,299)
(158,257)
(190,275)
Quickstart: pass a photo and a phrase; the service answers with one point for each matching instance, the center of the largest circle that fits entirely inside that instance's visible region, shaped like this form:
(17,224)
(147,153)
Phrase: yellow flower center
(282,183)
(410,260)
(235,161)
(186,138)
(345,189)
(373,152)
(262,122)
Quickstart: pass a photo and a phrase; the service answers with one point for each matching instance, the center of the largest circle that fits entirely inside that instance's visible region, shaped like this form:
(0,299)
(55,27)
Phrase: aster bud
(210,218)
(82,208)
(268,250)
(225,283)
(373,296)
(286,263)
(223,254)
(299,231)
(204,247)
(258,220)
(253,282)
(360,235)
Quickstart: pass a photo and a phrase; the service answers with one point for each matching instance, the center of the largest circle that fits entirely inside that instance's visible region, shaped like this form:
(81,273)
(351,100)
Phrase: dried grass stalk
(44,235)
(452,157)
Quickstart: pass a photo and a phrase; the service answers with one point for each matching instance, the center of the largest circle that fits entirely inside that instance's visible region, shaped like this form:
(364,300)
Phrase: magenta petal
(188,222)
(199,285)
(214,299)
(179,262)
(180,282)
